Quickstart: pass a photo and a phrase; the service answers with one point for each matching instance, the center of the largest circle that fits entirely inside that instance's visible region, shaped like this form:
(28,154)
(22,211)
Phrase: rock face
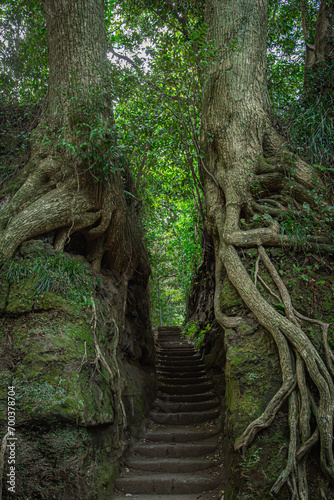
(77,346)
(245,366)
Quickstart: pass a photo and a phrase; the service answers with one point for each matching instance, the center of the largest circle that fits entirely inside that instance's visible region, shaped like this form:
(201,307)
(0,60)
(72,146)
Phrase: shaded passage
(179,454)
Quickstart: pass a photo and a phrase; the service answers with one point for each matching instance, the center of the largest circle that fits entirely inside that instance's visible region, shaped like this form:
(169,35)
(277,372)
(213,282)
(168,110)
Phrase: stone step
(178,357)
(163,330)
(182,406)
(173,338)
(166,333)
(168,483)
(190,378)
(177,353)
(177,365)
(172,374)
(184,418)
(181,434)
(174,346)
(176,450)
(183,359)
(185,389)
(187,398)
(181,343)
(176,369)
(175,465)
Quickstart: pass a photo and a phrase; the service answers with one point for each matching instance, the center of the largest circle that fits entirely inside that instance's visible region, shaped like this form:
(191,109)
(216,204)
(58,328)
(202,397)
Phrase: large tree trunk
(242,150)
(60,192)
(319,79)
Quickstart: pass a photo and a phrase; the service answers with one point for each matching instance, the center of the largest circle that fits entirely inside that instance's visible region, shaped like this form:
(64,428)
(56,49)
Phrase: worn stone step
(181,362)
(176,369)
(172,374)
(189,380)
(183,359)
(170,332)
(176,450)
(187,398)
(177,353)
(183,406)
(185,389)
(176,465)
(179,368)
(174,337)
(168,483)
(175,346)
(184,418)
(181,434)
(181,345)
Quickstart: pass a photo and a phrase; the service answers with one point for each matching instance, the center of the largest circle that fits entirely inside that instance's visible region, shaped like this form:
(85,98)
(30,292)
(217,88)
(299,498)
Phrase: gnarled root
(298,357)
(57,196)
(100,359)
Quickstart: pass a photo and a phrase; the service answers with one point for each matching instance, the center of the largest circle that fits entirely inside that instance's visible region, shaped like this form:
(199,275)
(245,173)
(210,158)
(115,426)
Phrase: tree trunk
(73,182)
(248,171)
(319,79)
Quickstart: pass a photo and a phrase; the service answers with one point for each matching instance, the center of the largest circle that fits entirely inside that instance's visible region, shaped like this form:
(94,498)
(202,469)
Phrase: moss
(4,292)
(22,299)
(55,382)
(252,377)
(70,462)
(108,472)
(51,300)
(232,395)
(229,296)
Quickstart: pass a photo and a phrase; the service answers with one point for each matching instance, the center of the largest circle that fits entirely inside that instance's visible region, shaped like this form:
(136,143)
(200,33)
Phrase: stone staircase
(178,456)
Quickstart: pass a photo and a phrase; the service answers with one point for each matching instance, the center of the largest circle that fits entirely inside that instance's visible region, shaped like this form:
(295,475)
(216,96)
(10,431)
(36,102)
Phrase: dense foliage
(158,58)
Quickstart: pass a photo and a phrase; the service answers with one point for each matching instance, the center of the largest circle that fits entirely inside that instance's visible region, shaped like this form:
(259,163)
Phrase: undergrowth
(60,273)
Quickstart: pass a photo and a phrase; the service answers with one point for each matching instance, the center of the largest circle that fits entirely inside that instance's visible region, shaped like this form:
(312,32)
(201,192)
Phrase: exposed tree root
(303,358)
(267,416)
(100,359)
(299,358)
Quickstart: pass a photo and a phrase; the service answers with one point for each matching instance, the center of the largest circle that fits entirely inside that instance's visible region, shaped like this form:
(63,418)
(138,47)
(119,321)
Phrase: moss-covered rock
(69,418)
(230,300)
(252,376)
